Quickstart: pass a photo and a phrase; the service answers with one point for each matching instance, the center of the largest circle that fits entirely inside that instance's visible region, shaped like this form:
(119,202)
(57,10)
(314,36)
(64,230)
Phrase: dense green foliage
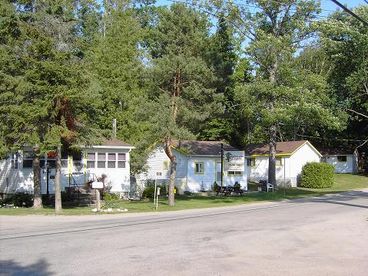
(317,175)
(17,200)
(149,190)
(217,71)
(344,42)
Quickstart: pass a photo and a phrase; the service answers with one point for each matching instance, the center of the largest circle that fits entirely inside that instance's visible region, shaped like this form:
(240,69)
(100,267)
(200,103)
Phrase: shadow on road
(12,268)
(343,198)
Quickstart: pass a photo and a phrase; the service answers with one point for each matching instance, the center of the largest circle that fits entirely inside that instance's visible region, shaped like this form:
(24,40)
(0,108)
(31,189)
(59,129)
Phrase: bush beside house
(317,175)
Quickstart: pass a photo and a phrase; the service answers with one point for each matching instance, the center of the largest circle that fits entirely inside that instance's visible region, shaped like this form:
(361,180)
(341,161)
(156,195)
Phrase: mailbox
(97,185)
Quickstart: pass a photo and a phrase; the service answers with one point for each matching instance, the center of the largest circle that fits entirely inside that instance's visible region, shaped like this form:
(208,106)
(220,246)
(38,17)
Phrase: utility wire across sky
(351,12)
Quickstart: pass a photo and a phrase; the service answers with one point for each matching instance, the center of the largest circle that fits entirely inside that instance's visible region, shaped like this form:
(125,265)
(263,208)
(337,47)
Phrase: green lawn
(342,183)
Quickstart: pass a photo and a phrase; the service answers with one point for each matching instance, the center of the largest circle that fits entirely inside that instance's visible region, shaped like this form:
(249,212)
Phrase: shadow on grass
(256,196)
(12,268)
(201,201)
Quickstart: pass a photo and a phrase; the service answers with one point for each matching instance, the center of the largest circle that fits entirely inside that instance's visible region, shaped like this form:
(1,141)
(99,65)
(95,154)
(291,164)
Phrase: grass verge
(342,183)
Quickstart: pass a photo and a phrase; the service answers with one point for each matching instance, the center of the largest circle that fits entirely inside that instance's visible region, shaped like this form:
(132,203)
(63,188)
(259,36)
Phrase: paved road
(319,236)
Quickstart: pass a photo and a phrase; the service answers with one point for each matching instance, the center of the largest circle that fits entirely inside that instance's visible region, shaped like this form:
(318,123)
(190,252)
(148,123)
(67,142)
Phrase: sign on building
(234,161)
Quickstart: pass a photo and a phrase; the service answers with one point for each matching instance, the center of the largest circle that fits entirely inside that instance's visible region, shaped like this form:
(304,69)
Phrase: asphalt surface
(316,236)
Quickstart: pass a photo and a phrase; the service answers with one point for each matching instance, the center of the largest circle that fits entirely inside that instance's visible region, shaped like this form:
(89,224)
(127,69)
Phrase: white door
(218,173)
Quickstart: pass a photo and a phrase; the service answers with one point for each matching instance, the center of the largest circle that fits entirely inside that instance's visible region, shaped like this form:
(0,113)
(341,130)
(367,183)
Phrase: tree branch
(356,112)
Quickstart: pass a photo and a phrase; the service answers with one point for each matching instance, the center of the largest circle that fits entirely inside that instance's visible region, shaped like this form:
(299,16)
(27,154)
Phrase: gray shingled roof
(114,142)
(202,147)
(287,147)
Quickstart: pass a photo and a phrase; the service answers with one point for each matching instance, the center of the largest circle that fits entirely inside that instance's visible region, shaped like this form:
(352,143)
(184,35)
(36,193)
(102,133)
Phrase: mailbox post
(157,195)
(97,185)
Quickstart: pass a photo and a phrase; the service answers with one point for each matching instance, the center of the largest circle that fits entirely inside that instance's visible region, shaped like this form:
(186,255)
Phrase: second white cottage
(291,156)
(198,166)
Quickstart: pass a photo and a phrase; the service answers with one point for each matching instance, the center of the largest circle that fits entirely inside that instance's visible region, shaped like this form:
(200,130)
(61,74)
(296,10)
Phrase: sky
(327,5)
(330,6)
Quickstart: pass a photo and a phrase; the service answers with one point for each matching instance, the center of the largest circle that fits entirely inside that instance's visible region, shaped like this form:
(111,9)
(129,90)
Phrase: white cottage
(344,161)
(198,166)
(110,161)
(291,156)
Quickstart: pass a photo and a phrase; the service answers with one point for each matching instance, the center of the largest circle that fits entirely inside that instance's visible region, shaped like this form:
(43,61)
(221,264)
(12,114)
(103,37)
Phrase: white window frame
(200,167)
(122,161)
(251,162)
(89,161)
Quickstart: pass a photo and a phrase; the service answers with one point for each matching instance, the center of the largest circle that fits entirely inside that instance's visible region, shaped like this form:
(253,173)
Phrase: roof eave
(109,147)
(267,155)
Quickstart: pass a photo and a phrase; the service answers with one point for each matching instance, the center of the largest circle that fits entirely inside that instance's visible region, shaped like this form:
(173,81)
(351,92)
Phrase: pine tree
(222,57)
(115,62)
(47,93)
(279,91)
(182,97)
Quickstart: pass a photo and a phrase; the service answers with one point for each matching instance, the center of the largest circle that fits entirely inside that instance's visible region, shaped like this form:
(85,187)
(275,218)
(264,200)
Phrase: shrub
(148,192)
(317,175)
(163,190)
(215,186)
(188,193)
(19,200)
(111,196)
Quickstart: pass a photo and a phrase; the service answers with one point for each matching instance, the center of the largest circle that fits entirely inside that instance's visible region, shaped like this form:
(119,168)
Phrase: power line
(350,12)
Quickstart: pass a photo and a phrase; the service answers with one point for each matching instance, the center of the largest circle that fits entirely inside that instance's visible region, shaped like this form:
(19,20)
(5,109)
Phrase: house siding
(197,182)
(186,178)
(117,178)
(342,167)
(304,155)
(290,169)
(21,179)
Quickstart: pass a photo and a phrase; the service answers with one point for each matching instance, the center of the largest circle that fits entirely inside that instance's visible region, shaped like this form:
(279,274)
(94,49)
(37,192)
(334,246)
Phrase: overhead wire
(350,12)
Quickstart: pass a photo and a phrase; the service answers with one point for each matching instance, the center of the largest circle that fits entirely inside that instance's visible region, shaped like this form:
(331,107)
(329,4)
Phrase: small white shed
(291,156)
(198,166)
(344,161)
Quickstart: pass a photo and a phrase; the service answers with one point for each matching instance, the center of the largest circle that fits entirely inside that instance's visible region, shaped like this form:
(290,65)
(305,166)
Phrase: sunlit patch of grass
(343,182)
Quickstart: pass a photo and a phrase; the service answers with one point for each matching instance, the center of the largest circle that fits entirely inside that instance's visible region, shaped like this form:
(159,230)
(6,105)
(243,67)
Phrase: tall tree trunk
(272,156)
(37,199)
(168,141)
(172,157)
(58,206)
(272,132)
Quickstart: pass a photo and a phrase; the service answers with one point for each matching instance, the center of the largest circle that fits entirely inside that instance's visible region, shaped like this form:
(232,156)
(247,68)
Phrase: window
(27,159)
(91,157)
(158,173)
(14,161)
(234,173)
(27,163)
(101,160)
(111,161)
(199,167)
(121,160)
(251,162)
(51,163)
(64,163)
(166,165)
(77,161)
(341,158)
(278,161)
